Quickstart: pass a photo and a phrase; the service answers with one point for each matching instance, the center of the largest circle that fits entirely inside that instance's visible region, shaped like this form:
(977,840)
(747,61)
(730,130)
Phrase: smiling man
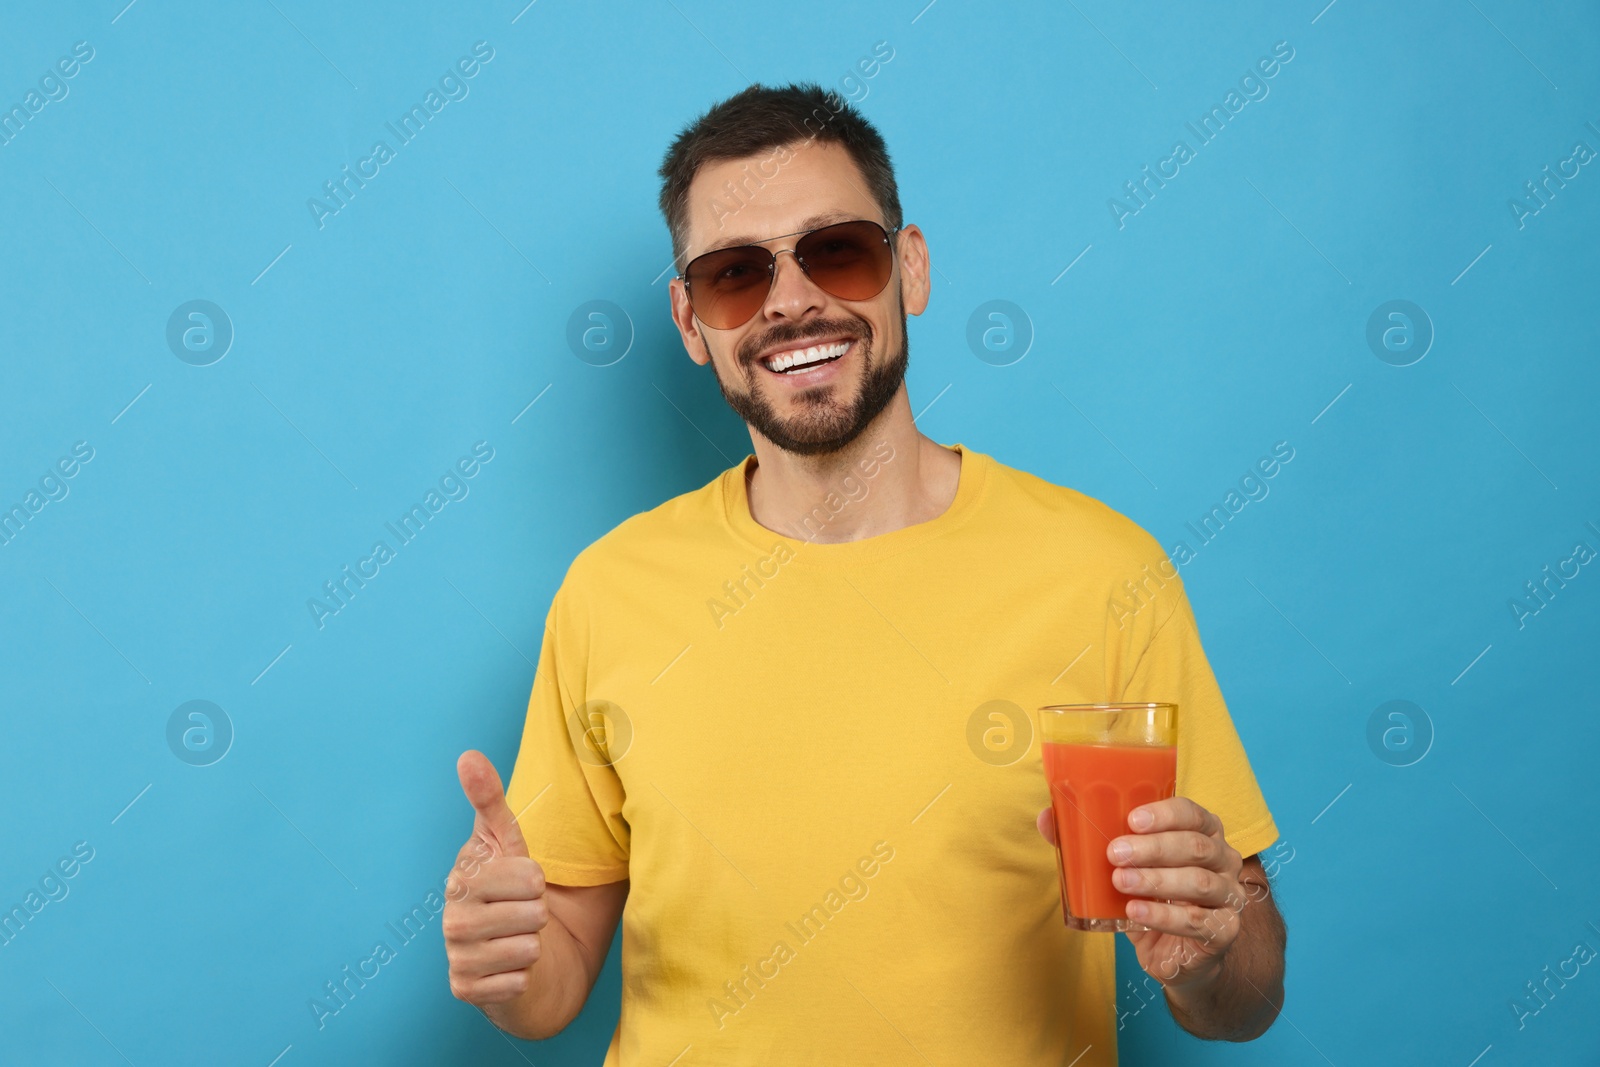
(782,725)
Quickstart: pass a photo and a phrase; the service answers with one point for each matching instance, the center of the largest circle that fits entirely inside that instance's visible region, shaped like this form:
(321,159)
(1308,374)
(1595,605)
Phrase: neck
(889,477)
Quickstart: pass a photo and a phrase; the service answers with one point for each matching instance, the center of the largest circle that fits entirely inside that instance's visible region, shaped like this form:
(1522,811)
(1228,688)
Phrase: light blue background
(1224,317)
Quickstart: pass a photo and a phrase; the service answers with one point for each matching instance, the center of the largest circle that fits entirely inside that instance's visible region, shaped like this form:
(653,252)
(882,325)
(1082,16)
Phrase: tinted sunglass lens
(727,287)
(851,260)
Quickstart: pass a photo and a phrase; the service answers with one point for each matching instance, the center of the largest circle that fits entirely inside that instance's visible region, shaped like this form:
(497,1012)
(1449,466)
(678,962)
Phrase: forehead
(773,194)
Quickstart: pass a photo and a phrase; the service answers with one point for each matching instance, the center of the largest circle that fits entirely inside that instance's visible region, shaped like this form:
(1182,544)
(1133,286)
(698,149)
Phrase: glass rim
(1128,706)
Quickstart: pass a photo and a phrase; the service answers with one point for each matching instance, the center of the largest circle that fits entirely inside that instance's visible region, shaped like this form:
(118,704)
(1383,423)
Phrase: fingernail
(1137,910)
(1141,819)
(1121,850)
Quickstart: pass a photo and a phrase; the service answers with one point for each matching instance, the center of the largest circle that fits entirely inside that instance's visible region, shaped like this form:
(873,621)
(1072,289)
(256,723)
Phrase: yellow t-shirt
(818,766)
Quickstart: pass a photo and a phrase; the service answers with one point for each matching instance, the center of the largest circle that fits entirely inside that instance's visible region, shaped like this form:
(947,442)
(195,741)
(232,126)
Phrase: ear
(914,267)
(694,342)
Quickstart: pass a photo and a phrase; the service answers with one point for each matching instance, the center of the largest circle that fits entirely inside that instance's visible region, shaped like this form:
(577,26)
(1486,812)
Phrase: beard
(825,424)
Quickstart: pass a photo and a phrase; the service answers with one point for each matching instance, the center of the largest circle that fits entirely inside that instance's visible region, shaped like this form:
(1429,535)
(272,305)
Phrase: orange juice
(1092,790)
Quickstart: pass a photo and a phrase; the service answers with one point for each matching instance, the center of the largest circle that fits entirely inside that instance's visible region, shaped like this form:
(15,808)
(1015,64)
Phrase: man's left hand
(1176,855)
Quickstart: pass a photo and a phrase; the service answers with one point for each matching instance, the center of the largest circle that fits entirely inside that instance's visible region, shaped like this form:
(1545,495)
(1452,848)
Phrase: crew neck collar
(736,507)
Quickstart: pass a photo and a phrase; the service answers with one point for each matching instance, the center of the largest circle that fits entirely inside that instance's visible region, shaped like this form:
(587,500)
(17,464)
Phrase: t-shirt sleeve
(564,791)
(1213,769)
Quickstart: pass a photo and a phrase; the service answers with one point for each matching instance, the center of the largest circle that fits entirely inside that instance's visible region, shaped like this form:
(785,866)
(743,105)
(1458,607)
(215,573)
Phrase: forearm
(558,985)
(1242,998)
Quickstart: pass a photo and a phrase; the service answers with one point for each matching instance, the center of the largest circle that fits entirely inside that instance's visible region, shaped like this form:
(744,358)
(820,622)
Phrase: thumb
(494,821)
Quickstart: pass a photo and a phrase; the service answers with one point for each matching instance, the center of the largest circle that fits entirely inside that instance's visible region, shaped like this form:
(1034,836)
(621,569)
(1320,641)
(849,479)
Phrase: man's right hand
(494,897)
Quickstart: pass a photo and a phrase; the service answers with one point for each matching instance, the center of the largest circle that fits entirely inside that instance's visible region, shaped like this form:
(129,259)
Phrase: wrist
(1197,984)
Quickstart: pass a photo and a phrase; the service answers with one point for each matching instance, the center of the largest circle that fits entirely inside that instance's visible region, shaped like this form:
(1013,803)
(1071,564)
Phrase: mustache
(794,334)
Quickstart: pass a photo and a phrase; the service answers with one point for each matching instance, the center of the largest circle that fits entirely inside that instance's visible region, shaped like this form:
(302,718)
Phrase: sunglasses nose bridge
(799,261)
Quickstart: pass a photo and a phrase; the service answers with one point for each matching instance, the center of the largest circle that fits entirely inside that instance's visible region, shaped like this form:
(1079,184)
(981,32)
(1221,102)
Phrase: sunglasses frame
(772,266)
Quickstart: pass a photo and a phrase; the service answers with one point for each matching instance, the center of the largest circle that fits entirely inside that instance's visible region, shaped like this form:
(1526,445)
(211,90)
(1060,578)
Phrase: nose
(793,294)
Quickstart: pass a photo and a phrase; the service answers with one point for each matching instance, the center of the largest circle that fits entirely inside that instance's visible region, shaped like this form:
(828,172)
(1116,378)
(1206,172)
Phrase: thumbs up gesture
(494,897)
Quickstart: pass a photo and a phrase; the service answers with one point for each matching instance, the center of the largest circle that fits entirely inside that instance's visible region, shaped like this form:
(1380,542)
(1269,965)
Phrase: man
(788,717)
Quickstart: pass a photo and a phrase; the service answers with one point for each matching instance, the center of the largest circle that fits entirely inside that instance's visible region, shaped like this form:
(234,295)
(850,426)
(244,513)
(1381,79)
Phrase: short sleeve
(1213,769)
(564,792)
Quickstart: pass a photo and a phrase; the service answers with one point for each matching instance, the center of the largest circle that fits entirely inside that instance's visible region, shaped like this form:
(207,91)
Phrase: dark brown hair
(760,119)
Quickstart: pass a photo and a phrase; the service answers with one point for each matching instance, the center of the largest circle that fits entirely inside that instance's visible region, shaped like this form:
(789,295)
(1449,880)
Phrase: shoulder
(650,539)
(1070,520)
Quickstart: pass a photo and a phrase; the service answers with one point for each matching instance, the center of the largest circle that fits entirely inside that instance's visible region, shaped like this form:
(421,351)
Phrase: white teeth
(802,357)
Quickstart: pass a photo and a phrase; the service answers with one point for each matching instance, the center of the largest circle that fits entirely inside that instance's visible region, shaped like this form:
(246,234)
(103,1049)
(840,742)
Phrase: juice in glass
(1101,761)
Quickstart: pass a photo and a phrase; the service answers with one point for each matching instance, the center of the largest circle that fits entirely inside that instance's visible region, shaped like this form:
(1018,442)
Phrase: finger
(1047,825)
(505,878)
(1216,928)
(495,956)
(1172,848)
(1174,813)
(481,784)
(501,918)
(1188,885)
(491,989)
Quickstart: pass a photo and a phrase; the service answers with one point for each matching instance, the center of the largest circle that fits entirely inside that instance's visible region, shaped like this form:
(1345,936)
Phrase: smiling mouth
(800,360)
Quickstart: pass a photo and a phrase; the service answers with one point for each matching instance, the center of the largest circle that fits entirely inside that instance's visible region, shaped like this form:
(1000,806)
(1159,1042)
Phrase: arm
(1213,937)
(1243,996)
(524,952)
(572,948)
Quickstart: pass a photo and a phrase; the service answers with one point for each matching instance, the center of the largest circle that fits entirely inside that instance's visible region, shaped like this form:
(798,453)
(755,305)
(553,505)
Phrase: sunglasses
(849,260)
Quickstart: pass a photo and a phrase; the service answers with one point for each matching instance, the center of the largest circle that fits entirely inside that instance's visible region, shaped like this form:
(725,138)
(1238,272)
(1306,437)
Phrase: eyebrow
(814,222)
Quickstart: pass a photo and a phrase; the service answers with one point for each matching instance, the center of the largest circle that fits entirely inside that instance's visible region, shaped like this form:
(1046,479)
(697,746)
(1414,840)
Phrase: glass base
(1104,926)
